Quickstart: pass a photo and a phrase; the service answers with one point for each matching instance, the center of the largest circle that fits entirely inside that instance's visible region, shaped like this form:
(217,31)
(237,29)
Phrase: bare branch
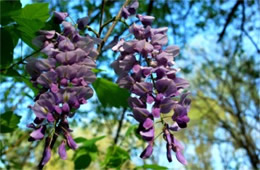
(228,20)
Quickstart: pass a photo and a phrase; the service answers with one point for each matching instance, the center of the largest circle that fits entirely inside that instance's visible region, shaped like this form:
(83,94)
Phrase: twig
(20,61)
(253,42)
(228,20)
(92,30)
(120,126)
(150,7)
(118,16)
(101,17)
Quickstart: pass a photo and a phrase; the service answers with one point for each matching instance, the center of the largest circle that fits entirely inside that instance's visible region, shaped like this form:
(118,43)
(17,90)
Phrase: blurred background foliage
(220,47)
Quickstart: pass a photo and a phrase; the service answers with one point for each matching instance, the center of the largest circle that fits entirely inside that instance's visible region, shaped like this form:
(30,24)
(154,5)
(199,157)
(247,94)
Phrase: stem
(92,30)
(118,16)
(21,61)
(50,141)
(101,18)
(147,62)
(120,126)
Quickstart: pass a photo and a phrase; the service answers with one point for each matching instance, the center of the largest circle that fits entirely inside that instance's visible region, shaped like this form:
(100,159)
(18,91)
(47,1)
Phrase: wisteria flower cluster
(64,79)
(145,67)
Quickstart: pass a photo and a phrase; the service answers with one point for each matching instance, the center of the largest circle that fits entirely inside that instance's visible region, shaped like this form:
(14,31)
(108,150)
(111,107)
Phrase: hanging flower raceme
(145,68)
(64,78)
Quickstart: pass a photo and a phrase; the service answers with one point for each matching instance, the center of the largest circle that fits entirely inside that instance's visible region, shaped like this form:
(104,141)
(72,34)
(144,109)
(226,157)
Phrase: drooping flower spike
(145,68)
(64,78)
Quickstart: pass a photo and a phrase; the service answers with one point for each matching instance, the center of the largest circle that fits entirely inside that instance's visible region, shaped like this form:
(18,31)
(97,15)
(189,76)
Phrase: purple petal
(159,39)
(60,16)
(132,7)
(149,99)
(148,135)
(66,45)
(148,123)
(166,86)
(182,121)
(142,88)
(48,34)
(168,150)
(146,20)
(38,134)
(46,156)
(174,50)
(66,108)
(125,81)
(54,88)
(166,105)
(50,117)
(156,112)
(136,102)
(140,114)
(174,127)
(82,22)
(180,157)
(57,109)
(181,83)
(125,13)
(62,151)
(72,144)
(147,152)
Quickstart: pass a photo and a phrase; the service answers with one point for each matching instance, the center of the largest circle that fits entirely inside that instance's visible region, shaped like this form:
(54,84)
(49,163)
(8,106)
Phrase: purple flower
(48,34)
(125,13)
(145,69)
(147,152)
(37,134)
(64,79)
(46,155)
(178,148)
(82,22)
(146,20)
(166,105)
(62,151)
(167,87)
(130,9)
(142,88)
(60,16)
(71,143)
(147,135)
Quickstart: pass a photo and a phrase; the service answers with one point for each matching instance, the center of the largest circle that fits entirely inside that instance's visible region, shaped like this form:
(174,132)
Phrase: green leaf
(110,94)
(9,122)
(130,130)
(80,140)
(88,146)
(8,42)
(39,11)
(9,9)
(27,29)
(82,162)
(115,157)
(30,20)
(151,167)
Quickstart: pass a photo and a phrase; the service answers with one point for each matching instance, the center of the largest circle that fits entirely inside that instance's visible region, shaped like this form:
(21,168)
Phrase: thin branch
(120,126)
(253,42)
(188,11)
(20,61)
(150,7)
(92,30)
(228,20)
(118,16)
(101,17)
